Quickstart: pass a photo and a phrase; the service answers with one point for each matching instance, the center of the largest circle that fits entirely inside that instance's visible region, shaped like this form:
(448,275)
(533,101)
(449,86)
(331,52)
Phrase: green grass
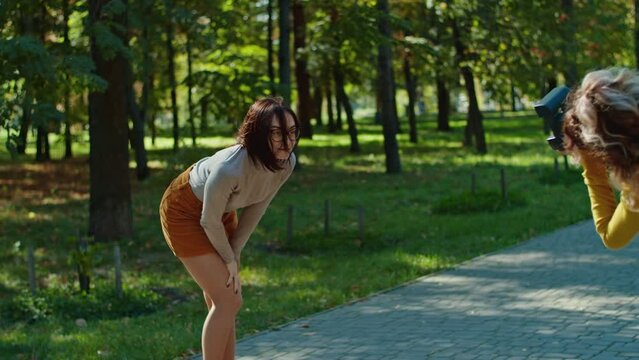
(405,237)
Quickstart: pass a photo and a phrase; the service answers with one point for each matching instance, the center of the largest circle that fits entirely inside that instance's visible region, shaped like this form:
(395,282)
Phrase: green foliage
(25,57)
(66,303)
(108,43)
(481,201)
(26,307)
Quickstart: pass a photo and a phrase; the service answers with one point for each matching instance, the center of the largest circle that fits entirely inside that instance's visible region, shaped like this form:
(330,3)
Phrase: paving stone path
(558,296)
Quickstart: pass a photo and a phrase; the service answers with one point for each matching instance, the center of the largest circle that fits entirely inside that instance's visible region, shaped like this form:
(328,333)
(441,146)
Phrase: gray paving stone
(562,295)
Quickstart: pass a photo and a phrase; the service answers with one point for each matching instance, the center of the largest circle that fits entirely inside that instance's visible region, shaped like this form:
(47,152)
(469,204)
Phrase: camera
(550,108)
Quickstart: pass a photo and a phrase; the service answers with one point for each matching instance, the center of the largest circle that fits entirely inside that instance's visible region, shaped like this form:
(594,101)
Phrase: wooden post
(360,222)
(504,190)
(118,270)
(83,277)
(327,216)
(289,231)
(31,265)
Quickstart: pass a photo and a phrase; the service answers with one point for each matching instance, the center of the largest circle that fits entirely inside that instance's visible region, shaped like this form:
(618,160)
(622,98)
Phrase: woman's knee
(228,303)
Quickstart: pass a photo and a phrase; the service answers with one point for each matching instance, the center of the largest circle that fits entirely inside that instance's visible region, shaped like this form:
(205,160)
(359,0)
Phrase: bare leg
(208,301)
(229,354)
(210,273)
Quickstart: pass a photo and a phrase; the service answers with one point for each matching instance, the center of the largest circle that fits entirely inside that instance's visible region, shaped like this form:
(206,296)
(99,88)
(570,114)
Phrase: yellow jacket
(615,223)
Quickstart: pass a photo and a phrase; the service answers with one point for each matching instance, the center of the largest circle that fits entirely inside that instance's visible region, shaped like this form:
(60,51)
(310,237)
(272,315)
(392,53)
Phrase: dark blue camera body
(550,108)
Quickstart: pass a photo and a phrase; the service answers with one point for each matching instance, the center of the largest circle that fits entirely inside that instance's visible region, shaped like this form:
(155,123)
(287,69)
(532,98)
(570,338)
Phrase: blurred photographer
(601,132)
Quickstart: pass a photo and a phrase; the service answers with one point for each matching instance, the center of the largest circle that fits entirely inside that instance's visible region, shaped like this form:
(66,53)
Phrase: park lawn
(283,279)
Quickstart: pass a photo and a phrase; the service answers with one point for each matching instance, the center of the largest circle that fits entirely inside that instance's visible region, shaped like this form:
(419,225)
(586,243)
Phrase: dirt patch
(30,183)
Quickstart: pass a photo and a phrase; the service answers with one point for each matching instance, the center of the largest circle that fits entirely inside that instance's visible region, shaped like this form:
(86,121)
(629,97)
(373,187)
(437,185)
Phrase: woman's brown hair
(254,133)
(603,120)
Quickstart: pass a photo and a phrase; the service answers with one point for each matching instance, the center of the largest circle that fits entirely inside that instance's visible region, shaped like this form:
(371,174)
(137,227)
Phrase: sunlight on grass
(283,279)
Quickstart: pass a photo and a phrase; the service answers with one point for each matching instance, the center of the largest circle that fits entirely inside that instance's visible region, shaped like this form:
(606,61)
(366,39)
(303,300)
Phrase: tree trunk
(304,99)
(385,83)
(269,47)
(475,117)
(42,147)
(137,135)
(284,51)
(474,127)
(343,99)
(189,63)
(147,89)
(329,107)
(443,105)
(339,125)
(410,89)
(25,124)
(68,147)
(26,28)
(110,215)
(172,83)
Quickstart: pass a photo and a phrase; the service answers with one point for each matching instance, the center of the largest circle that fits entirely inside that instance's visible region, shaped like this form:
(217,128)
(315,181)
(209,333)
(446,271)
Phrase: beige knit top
(230,180)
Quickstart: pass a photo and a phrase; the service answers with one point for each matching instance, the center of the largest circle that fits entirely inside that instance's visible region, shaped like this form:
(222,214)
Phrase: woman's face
(277,137)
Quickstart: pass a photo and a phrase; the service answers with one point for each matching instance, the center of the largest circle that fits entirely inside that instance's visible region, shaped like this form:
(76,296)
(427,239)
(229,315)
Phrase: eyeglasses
(277,134)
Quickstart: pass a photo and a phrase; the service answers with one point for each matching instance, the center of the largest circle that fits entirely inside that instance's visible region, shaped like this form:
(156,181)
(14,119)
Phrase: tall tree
(284,56)
(25,11)
(110,214)
(68,147)
(189,84)
(345,101)
(269,47)
(385,82)
(304,99)
(474,128)
(43,148)
(170,51)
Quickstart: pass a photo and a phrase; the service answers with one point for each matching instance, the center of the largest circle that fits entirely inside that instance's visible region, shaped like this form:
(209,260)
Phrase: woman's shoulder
(292,161)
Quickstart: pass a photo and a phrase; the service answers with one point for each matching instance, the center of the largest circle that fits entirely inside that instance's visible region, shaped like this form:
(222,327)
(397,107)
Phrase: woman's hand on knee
(234,276)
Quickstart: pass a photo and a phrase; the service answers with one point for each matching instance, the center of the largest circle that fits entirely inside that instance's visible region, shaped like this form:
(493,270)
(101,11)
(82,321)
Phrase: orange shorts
(180,213)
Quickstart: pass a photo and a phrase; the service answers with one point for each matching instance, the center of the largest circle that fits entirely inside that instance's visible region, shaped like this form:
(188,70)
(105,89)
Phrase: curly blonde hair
(602,118)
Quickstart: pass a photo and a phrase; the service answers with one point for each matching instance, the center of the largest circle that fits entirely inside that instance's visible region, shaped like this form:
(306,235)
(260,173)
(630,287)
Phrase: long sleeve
(251,216)
(615,223)
(217,191)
